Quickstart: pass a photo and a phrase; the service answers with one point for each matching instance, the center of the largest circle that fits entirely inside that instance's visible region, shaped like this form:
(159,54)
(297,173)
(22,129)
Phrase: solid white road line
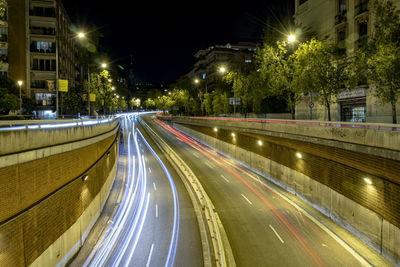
(156,210)
(225,178)
(247,199)
(149,258)
(154,185)
(273,229)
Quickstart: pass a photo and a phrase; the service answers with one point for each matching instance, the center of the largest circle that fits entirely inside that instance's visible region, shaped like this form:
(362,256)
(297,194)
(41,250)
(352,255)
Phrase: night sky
(163,37)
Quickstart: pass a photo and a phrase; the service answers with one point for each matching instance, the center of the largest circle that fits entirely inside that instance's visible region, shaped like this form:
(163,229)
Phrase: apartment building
(347,23)
(210,60)
(4,43)
(42,49)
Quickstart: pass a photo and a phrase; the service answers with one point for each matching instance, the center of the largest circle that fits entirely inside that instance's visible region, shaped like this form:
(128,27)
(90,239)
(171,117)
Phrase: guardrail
(33,125)
(372,126)
(205,202)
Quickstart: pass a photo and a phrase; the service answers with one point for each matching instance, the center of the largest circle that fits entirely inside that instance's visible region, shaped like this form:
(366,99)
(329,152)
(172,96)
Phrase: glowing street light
(109,80)
(233,134)
(81,35)
(299,155)
(196,80)
(222,69)
(112,88)
(291,38)
(215,130)
(260,143)
(368,181)
(20,97)
(103,65)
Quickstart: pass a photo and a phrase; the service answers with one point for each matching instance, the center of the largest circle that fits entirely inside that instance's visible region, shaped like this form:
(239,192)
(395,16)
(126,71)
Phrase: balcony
(43,31)
(43,12)
(341,18)
(38,85)
(361,8)
(49,50)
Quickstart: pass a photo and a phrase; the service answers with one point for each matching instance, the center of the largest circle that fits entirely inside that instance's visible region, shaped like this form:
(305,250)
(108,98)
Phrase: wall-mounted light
(299,155)
(85,177)
(367,180)
(215,130)
(260,143)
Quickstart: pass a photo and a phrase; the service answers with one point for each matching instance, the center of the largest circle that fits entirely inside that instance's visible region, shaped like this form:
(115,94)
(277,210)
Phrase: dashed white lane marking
(156,210)
(247,199)
(225,178)
(154,185)
(149,258)
(149,170)
(195,154)
(145,159)
(209,165)
(276,233)
(324,245)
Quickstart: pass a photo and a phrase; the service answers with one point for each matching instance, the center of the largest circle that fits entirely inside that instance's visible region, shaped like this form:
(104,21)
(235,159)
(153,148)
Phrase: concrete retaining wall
(383,143)
(65,247)
(370,227)
(14,141)
(48,207)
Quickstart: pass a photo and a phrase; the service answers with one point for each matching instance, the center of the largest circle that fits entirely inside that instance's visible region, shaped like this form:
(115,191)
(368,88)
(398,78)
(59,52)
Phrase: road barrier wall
(371,227)
(51,194)
(381,140)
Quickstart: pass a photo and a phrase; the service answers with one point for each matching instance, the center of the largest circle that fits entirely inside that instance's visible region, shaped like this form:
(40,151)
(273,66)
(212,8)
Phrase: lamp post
(20,96)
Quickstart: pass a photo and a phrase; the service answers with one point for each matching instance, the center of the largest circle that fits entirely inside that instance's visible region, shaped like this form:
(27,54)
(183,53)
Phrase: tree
(317,71)
(164,103)
(276,66)
(9,95)
(383,53)
(208,103)
(149,104)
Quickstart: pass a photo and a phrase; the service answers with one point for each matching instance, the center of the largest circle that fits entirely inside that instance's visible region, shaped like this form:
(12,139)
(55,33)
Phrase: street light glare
(103,65)
(20,83)
(196,81)
(81,35)
(291,38)
(222,69)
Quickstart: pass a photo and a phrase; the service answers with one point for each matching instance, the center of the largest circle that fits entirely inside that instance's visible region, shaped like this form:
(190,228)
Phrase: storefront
(352,105)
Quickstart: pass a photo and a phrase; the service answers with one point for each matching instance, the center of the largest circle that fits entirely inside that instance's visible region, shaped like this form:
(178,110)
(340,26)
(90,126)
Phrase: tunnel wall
(369,226)
(48,206)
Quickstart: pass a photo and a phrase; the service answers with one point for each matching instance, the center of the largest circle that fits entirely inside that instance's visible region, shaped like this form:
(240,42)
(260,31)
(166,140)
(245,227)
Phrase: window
(341,36)
(342,6)
(44,64)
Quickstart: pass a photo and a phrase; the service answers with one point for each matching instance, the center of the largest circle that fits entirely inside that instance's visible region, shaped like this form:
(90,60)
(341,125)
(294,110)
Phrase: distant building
(348,23)
(210,60)
(41,49)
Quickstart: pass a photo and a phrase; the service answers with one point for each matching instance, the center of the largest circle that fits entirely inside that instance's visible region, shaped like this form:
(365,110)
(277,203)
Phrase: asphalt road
(263,228)
(153,222)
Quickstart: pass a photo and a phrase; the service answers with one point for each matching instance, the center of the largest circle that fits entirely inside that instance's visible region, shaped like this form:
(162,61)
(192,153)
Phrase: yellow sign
(92,97)
(63,85)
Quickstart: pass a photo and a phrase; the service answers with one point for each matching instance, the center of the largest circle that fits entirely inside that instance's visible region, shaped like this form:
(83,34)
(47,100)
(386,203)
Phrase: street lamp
(20,97)
(222,69)
(196,81)
(291,38)
(103,65)
(81,35)
(112,88)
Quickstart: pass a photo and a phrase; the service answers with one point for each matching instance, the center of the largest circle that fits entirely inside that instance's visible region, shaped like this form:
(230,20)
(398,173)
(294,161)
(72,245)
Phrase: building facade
(209,61)
(42,49)
(349,24)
